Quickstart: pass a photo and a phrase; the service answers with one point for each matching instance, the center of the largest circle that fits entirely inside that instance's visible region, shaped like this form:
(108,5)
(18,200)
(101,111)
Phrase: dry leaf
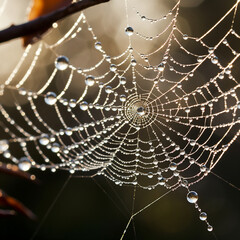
(41,8)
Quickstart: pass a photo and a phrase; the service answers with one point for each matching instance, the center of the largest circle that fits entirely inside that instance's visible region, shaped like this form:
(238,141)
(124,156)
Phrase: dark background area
(86,211)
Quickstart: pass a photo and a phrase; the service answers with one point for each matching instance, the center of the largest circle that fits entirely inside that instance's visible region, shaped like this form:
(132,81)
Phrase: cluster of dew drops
(62,63)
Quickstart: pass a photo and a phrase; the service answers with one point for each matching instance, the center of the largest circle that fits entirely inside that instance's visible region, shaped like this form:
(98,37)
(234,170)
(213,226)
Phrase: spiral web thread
(145,119)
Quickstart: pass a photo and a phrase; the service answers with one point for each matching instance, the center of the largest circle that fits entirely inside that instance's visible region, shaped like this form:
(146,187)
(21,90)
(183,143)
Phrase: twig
(12,169)
(46,21)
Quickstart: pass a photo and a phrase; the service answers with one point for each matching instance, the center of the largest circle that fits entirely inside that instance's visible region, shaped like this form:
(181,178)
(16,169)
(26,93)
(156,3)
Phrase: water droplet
(84,106)
(133,62)
(200,58)
(62,63)
(100,84)
(68,131)
(141,111)
(108,58)
(50,98)
(203,216)
(185,37)
(203,168)
(162,79)
(209,228)
(44,140)
(192,197)
(150,175)
(129,31)
(162,181)
(55,148)
(65,102)
(108,89)
(211,50)
(221,76)
(228,71)
(184,183)
(52,139)
(79,70)
(161,67)
(4,145)
(155,162)
(123,98)
(152,149)
(179,85)
(172,166)
(90,80)
(98,45)
(214,60)
(123,80)
(113,68)
(192,143)
(7,154)
(22,91)
(225,41)
(238,105)
(43,167)
(24,164)
(72,103)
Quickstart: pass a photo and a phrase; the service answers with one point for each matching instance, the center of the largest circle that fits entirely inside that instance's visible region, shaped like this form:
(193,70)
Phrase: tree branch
(46,21)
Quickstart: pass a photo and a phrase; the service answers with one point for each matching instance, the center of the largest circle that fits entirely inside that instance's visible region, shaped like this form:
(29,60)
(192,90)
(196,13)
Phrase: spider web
(163,116)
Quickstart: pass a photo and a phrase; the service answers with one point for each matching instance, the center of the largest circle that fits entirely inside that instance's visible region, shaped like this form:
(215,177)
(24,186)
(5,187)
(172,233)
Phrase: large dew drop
(172,166)
(108,89)
(123,80)
(44,140)
(55,148)
(129,31)
(209,228)
(203,216)
(141,111)
(72,103)
(192,197)
(98,46)
(185,37)
(50,98)
(24,164)
(161,67)
(90,80)
(123,98)
(214,60)
(62,63)
(4,145)
(113,68)
(84,106)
